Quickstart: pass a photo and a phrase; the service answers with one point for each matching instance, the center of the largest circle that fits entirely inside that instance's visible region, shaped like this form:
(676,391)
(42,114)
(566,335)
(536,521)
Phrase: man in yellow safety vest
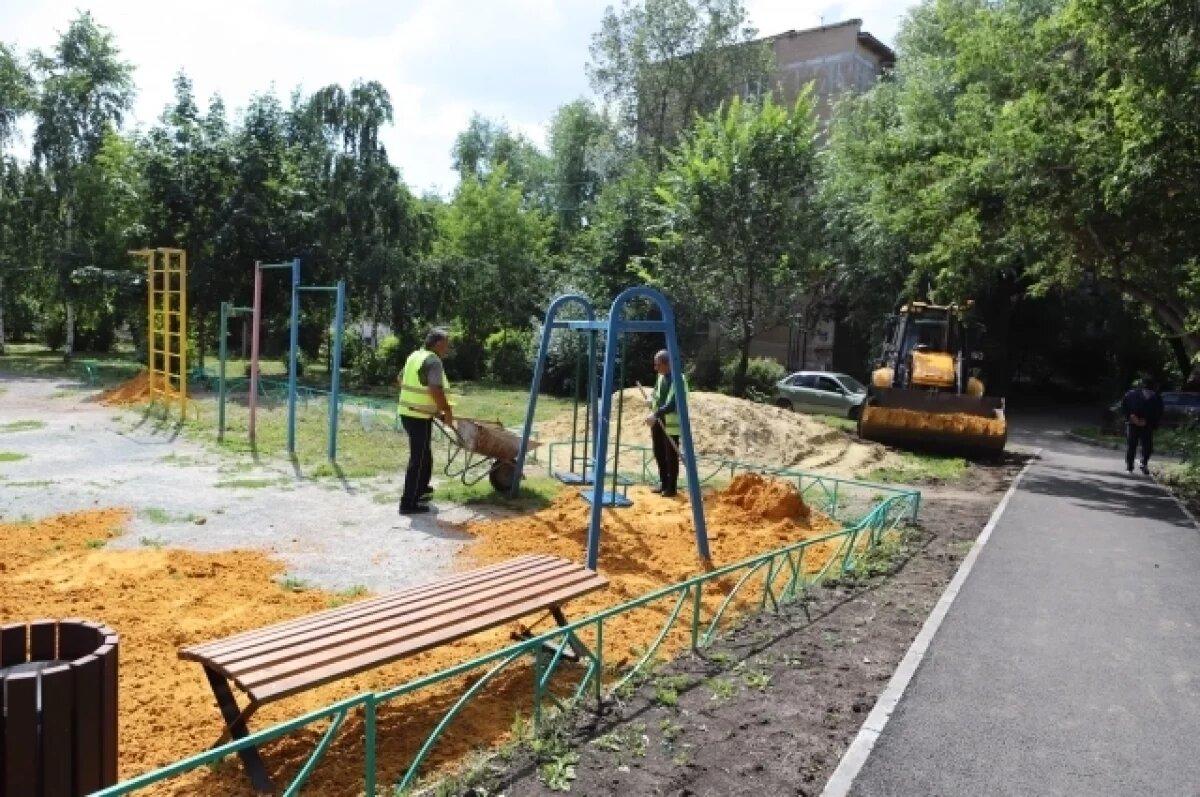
(423,386)
(664,426)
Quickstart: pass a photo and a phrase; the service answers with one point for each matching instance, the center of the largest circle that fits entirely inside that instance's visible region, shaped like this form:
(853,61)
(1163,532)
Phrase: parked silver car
(821,392)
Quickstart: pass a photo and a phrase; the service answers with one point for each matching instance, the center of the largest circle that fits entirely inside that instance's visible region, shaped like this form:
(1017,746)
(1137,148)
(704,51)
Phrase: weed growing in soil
(12,456)
(915,468)
(722,689)
(347,595)
(34,483)
(163,517)
(152,542)
(293,584)
(94,544)
(22,426)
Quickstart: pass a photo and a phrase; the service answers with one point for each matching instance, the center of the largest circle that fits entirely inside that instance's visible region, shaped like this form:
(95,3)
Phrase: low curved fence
(767,581)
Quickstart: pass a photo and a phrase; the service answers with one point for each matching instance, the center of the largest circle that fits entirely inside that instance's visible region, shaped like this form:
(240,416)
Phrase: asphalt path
(1069,662)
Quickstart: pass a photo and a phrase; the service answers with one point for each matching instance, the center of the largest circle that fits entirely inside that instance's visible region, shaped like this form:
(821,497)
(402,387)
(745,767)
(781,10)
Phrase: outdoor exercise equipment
(569,476)
(613,329)
(166,324)
(339,291)
(228,310)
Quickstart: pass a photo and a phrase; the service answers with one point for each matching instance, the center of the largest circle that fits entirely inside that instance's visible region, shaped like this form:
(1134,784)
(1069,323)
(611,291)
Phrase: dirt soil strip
(772,707)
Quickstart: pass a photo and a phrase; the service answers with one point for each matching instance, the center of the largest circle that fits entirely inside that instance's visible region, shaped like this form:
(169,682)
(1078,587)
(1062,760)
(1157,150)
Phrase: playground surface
(173,543)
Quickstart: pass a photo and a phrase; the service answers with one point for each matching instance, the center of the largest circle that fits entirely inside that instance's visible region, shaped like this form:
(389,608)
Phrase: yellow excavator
(926,392)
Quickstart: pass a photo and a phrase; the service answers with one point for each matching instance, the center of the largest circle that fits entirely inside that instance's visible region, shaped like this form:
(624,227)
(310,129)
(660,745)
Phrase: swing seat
(609,498)
(585,478)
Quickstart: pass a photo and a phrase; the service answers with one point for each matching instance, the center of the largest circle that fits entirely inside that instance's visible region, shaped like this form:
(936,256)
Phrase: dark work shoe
(419,509)
(1146,469)
(669,493)
(656,489)
(427,491)
(1129,469)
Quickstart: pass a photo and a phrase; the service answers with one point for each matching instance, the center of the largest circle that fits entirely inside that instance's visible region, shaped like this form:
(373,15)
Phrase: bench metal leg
(581,651)
(235,727)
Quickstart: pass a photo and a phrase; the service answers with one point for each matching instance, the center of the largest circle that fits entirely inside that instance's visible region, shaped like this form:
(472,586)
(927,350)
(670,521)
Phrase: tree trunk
(739,373)
(69,347)
(2,316)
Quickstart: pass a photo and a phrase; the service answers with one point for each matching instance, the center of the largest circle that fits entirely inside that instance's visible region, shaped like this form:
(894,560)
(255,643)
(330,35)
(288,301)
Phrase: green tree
(85,91)
(492,253)
(738,218)
(485,146)
(585,154)
(663,62)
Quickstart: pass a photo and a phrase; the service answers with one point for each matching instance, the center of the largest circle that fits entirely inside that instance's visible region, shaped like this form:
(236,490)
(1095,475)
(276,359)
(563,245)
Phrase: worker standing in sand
(663,421)
(423,386)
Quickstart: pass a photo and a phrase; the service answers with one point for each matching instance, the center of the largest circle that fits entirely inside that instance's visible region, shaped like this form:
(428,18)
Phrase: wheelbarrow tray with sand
(486,449)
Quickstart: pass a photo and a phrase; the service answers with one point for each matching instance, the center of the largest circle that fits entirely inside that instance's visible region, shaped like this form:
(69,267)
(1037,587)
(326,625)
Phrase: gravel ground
(83,455)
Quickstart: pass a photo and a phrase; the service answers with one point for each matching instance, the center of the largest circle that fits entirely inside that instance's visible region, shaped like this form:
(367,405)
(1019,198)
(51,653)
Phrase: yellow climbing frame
(166,298)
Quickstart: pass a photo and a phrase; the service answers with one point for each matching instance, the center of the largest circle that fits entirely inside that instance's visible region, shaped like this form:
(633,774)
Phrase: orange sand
(159,600)
(956,422)
(128,392)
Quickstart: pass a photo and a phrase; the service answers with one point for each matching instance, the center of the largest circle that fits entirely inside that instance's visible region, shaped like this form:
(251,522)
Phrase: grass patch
(368,442)
(22,426)
(835,422)
(919,468)
(32,483)
(94,544)
(250,484)
(12,456)
(536,493)
(160,516)
(152,542)
(32,359)
(347,596)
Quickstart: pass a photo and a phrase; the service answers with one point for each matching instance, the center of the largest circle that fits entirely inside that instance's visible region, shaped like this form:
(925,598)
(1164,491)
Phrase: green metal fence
(769,580)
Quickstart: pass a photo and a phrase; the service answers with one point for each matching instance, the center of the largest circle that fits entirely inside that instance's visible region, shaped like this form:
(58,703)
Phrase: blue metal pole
(685,436)
(294,343)
(221,374)
(539,370)
(606,391)
(336,387)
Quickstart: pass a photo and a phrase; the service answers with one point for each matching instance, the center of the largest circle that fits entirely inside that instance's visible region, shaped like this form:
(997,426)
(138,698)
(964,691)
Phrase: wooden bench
(285,659)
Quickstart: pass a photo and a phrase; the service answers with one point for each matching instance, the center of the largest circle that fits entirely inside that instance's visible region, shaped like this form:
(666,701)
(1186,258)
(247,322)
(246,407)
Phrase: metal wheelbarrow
(487,450)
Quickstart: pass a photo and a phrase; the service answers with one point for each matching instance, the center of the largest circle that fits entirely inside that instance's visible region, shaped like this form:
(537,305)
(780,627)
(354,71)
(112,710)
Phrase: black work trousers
(1138,436)
(420,459)
(666,457)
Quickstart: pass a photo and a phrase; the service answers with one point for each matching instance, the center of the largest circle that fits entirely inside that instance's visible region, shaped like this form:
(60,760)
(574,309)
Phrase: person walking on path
(664,426)
(1143,408)
(423,386)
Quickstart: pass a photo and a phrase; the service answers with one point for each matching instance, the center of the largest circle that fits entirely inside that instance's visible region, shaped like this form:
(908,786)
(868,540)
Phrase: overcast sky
(516,60)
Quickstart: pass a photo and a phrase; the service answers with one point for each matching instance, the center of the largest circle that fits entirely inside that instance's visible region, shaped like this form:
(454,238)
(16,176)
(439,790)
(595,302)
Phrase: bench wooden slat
(300,682)
(462,617)
(369,622)
(211,651)
(346,618)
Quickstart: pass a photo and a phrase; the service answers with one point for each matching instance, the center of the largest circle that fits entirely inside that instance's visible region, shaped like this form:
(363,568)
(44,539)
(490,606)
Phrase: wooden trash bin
(58,688)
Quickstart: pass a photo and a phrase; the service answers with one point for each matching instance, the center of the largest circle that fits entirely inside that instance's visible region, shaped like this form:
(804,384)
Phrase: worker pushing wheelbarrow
(487,449)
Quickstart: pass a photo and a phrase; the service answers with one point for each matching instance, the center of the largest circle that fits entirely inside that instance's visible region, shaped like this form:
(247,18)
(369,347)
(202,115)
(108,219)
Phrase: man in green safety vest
(664,426)
(423,386)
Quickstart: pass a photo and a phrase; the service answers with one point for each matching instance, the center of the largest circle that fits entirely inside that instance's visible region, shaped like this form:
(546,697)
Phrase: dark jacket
(1145,404)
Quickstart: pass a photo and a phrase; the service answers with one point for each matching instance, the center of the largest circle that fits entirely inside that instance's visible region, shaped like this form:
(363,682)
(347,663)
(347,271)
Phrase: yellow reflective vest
(664,389)
(415,401)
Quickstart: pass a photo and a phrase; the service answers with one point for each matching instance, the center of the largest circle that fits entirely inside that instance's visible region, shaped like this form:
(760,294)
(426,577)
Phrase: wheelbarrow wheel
(502,475)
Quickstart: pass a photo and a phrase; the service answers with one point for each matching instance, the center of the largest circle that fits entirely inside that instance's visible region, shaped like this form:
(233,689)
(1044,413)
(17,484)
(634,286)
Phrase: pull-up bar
(339,291)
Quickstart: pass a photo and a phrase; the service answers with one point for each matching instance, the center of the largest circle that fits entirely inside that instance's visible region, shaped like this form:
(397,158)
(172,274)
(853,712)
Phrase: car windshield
(851,384)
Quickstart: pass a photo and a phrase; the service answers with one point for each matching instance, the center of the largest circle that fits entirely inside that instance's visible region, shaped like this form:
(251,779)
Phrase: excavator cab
(926,391)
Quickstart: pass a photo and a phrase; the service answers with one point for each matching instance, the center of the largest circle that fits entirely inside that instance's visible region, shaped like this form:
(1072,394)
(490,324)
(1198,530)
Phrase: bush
(508,360)
(301,362)
(761,375)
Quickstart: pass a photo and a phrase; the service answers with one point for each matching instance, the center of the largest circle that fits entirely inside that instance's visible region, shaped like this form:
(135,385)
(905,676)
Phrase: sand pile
(956,423)
(160,600)
(128,392)
(730,428)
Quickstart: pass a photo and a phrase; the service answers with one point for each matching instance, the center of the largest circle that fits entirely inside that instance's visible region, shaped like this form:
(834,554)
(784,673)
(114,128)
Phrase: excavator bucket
(941,422)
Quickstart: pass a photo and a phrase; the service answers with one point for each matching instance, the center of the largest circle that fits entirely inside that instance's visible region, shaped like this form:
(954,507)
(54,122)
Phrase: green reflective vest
(415,401)
(664,389)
